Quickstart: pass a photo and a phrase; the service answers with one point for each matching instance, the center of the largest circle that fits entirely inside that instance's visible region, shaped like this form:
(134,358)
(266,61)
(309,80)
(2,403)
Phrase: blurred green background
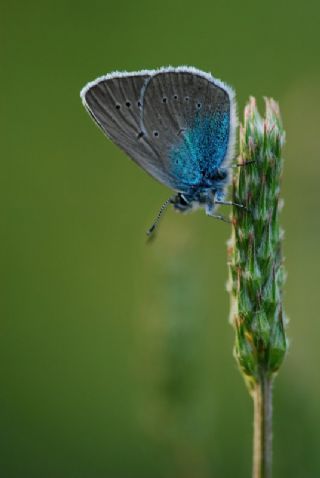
(116,357)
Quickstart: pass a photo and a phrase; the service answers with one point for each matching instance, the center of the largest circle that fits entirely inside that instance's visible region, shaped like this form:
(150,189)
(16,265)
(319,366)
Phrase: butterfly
(177,123)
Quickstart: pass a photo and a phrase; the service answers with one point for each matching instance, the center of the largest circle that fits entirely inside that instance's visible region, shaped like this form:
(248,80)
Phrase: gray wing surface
(115,104)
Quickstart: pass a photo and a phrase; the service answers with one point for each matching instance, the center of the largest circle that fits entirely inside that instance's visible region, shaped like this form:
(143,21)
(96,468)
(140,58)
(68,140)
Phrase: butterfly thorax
(205,194)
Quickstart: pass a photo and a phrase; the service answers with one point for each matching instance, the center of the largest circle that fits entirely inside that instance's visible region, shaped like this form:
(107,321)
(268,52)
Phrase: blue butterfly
(178,124)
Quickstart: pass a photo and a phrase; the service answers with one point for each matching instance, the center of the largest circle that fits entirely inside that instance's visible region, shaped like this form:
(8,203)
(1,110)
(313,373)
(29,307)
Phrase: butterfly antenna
(156,221)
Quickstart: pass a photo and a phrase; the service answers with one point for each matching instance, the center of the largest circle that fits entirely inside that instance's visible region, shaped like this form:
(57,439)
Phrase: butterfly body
(178,124)
(206,194)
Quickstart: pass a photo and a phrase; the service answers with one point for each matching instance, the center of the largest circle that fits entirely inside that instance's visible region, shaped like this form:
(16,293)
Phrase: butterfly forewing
(115,104)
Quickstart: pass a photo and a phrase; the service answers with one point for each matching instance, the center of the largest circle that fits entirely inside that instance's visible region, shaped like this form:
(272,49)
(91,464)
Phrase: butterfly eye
(155,133)
(139,104)
(187,98)
(128,104)
(175,97)
(164,100)
(199,105)
(118,107)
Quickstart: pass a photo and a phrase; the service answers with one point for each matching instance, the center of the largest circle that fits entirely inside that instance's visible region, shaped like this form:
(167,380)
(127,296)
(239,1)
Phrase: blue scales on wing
(201,150)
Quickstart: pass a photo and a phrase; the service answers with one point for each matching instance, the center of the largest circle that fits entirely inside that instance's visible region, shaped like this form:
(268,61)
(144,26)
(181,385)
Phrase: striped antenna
(156,221)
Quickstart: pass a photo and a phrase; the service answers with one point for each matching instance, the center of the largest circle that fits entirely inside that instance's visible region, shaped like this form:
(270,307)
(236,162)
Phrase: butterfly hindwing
(188,116)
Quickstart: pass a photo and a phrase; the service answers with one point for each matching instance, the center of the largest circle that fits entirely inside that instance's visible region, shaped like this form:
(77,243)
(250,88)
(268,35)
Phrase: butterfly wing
(191,117)
(115,104)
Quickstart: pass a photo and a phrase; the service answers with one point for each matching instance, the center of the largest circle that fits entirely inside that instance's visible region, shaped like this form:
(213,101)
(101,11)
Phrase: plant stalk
(262,427)
(257,271)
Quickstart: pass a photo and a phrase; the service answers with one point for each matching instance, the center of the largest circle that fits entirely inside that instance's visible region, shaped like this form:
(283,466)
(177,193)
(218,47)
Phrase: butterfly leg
(219,199)
(230,203)
(245,163)
(221,218)
(222,173)
(209,208)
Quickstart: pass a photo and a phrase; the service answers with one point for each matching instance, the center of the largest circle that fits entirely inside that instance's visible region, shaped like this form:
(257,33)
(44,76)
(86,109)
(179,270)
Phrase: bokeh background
(116,357)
